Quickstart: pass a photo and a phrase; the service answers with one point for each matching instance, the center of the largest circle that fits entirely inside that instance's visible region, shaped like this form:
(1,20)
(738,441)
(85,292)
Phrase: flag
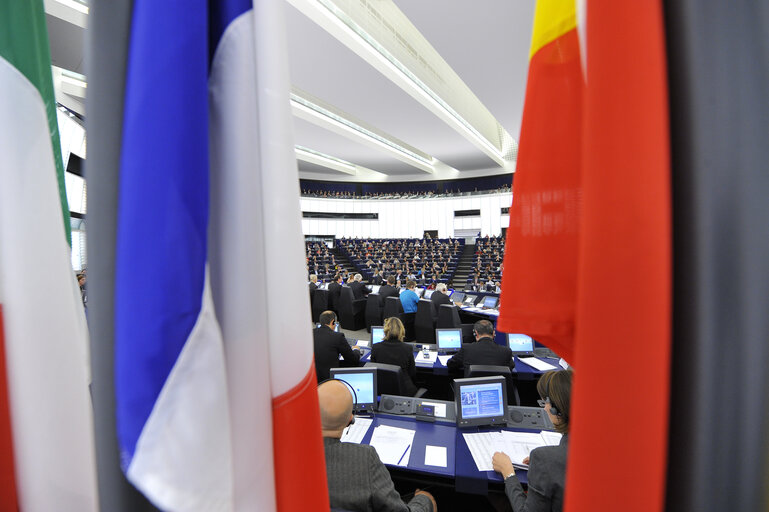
(624,317)
(46,429)
(214,406)
(539,285)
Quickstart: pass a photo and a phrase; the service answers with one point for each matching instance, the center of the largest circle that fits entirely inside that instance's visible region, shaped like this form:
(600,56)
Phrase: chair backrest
(448,316)
(487,370)
(389,379)
(392,307)
(373,311)
(319,303)
(423,323)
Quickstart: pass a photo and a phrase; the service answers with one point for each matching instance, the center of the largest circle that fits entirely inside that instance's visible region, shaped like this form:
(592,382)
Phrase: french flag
(214,378)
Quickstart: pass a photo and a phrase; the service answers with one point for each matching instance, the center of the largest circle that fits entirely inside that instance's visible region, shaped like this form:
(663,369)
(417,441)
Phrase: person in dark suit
(359,290)
(547,464)
(392,350)
(483,351)
(440,296)
(377,279)
(388,290)
(357,479)
(313,287)
(329,345)
(334,291)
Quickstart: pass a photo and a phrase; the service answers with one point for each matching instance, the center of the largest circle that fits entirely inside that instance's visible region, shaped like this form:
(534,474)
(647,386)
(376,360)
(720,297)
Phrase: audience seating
(448,317)
(487,370)
(319,304)
(373,310)
(351,311)
(423,323)
(392,307)
(390,380)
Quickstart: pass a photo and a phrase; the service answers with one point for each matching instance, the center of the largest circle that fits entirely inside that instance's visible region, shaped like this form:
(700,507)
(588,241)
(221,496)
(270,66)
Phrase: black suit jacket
(359,290)
(313,287)
(334,291)
(400,354)
(377,280)
(483,351)
(387,291)
(328,346)
(438,299)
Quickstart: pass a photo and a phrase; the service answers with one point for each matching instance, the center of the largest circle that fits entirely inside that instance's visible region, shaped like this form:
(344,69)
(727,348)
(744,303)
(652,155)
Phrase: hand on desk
(430,496)
(502,464)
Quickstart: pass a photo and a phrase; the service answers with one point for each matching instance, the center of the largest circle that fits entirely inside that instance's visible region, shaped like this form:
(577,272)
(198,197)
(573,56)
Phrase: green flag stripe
(24,43)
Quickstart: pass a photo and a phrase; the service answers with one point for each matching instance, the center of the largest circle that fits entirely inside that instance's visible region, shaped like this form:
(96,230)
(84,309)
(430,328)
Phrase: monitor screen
(448,339)
(377,334)
(374,288)
(363,381)
(336,327)
(520,343)
(490,302)
(480,401)
(470,299)
(429,293)
(457,297)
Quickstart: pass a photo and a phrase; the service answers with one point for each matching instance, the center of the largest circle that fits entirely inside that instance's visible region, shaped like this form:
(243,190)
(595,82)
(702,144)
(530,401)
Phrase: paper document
(362,343)
(492,312)
(393,444)
(563,364)
(517,446)
(444,359)
(429,360)
(355,432)
(537,363)
(435,456)
(440,409)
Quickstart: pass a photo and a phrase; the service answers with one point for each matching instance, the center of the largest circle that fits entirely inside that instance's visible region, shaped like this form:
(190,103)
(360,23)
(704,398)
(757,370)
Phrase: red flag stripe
(7,469)
(292,413)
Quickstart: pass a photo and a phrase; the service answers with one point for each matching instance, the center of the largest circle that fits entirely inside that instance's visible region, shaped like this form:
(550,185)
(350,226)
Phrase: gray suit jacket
(357,480)
(547,475)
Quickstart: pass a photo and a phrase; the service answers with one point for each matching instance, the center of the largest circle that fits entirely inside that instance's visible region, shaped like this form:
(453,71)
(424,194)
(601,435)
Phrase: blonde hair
(393,328)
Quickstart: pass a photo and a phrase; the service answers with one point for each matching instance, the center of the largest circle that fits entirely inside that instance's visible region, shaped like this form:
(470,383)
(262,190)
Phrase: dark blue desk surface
(459,461)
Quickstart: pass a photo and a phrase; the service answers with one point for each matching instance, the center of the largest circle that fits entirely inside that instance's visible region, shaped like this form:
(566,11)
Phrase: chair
(423,323)
(392,307)
(487,370)
(448,317)
(373,311)
(391,380)
(319,304)
(351,311)
(408,324)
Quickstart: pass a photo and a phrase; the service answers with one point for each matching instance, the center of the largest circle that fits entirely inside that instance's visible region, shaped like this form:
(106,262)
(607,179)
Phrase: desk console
(406,405)
(528,417)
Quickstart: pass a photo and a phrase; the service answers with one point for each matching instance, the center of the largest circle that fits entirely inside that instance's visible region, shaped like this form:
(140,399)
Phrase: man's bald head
(335,402)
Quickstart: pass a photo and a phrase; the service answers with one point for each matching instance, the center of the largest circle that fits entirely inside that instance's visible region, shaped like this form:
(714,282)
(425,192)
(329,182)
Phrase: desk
(460,466)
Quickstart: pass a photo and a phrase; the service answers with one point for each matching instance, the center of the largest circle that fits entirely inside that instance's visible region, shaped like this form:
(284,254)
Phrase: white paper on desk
(435,456)
(536,363)
(562,362)
(362,343)
(393,444)
(518,446)
(492,312)
(430,359)
(440,409)
(551,438)
(482,446)
(444,359)
(355,432)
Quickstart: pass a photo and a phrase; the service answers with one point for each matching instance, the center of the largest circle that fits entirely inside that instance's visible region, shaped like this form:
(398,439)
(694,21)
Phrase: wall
(404,218)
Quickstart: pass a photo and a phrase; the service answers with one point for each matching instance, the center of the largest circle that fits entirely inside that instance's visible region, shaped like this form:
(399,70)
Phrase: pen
(404,454)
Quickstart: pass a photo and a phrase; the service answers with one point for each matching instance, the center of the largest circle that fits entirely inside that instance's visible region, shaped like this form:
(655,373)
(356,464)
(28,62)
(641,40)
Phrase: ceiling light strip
(406,72)
(336,162)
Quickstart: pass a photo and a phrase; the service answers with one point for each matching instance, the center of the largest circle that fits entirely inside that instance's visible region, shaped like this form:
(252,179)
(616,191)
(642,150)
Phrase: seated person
(439,297)
(359,290)
(357,479)
(547,464)
(329,345)
(409,298)
(313,286)
(334,291)
(483,351)
(392,350)
(388,290)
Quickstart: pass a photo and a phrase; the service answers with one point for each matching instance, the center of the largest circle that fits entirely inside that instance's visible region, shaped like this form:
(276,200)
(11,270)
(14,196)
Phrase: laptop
(520,344)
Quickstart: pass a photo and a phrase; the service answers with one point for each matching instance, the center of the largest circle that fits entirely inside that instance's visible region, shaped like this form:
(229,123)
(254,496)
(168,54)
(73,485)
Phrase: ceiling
(353,59)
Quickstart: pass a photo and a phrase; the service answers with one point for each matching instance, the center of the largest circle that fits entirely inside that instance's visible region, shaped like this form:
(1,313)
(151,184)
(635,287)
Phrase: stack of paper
(355,432)
(444,359)
(426,360)
(393,444)
(537,363)
(517,446)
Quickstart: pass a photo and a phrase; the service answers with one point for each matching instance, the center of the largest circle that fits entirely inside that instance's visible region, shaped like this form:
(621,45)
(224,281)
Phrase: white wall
(404,218)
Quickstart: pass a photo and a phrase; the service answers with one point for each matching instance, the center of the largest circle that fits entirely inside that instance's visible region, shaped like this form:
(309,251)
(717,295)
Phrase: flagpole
(107,36)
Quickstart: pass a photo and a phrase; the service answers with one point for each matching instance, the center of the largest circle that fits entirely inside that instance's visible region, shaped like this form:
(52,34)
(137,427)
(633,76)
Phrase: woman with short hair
(392,350)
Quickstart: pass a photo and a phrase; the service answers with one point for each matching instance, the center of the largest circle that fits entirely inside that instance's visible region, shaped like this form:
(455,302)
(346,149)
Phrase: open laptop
(449,340)
(520,344)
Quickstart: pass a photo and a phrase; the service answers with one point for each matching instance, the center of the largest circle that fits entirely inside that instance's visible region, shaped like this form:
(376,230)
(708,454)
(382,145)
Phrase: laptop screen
(363,381)
(490,302)
(449,339)
(377,334)
(520,343)
(428,293)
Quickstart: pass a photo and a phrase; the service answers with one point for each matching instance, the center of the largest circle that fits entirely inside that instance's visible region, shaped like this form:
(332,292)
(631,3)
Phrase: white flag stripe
(173,465)
(236,253)
(46,343)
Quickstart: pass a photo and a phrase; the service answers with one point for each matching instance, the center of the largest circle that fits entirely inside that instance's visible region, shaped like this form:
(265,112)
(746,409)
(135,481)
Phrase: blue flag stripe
(163,204)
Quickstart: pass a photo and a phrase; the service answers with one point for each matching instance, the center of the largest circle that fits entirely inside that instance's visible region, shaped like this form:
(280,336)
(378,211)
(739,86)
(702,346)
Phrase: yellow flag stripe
(552,19)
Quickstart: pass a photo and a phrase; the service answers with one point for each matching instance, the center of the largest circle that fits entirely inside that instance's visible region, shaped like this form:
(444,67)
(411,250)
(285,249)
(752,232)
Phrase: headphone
(353,394)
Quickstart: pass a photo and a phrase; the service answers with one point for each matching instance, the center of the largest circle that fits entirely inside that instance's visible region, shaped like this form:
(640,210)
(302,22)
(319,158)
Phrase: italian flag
(47,457)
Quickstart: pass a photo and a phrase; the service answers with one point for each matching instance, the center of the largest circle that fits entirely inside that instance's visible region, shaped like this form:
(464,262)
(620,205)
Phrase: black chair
(319,304)
(352,312)
(408,324)
(487,370)
(392,307)
(448,317)
(373,311)
(391,380)
(423,323)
